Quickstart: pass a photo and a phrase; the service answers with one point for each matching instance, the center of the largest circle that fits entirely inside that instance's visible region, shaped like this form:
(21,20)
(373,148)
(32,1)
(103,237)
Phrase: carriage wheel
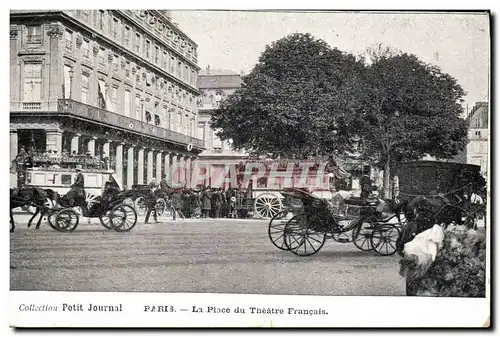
(267,205)
(51,219)
(384,239)
(140,206)
(66,220)
(300,235)
(123,218)
(160,206)
(276,230)
(362,236)
(105,221)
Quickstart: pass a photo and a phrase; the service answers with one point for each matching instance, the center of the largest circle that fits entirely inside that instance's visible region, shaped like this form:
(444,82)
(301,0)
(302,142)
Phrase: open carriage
(314,220)
(112,210)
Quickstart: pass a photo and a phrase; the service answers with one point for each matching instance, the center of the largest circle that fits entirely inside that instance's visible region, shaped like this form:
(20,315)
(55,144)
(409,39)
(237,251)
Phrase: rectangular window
(165,60)
(157,120)
(126,38)
(127,103)
(187,74)
(85,88)
(67,82)
(116,29)
(179,69)
(138,43)
(172,64)
(114,98)
(157,55)
(193,78)
(138,108)
(85,15)
(68,38)
(165,117)
(101,56)
(115,62)
(34,34)
(148,49)
(86,49)
(32,82)
(201,131)
(100,20)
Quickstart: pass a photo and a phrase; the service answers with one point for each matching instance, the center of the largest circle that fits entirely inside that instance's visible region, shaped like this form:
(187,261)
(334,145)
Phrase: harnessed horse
(28,196)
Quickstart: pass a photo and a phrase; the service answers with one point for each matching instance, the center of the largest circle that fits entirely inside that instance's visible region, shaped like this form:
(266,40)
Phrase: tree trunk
(387,180)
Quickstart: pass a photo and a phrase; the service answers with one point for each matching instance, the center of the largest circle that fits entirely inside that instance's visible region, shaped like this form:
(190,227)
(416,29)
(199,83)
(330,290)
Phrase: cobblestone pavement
(216,256)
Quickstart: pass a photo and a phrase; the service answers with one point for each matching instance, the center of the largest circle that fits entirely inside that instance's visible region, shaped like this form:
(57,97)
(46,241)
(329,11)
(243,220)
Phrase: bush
(459,268)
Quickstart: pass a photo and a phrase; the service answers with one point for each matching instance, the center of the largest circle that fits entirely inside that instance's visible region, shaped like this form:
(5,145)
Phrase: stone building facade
(215,85)
(115,83)
(478,146)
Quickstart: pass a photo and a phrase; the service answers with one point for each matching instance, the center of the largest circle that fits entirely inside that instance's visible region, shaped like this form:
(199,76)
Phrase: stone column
(91,146)
(189,172)
(74,144)
(140,166)
(158,166)
(130,167)
(13,145)
(119,163)
(53,141)
(181,164)
(55,32)
(150,167)
(174,171)
(167,164)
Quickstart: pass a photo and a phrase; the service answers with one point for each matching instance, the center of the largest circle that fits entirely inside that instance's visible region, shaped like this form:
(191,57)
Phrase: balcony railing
(124,122)
(32,105)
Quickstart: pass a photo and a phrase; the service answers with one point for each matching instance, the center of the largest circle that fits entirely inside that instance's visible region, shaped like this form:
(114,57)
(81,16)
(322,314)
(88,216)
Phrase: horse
(28,196)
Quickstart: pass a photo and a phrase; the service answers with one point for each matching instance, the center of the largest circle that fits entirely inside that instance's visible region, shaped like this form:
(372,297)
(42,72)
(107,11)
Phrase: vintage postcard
(249,168)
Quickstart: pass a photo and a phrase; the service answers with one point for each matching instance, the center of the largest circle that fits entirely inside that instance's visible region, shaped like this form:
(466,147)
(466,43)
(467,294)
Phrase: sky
(458,43)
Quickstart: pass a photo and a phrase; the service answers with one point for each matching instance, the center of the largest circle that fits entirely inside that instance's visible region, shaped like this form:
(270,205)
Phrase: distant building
(215,85)
(478,147)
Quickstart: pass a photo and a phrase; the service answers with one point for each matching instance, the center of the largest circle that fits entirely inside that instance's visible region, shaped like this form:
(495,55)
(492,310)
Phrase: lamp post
(71,73)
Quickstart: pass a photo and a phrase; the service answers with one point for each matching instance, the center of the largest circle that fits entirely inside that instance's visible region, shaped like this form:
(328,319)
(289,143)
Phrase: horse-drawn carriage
(259,184)
(444,192)
(62,210)
(314,219)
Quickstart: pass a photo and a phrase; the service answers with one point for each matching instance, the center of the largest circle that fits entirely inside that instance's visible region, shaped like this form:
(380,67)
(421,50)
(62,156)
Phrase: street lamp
(71,73)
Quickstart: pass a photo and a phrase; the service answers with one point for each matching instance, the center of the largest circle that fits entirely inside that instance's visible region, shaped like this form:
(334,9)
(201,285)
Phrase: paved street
(219,256)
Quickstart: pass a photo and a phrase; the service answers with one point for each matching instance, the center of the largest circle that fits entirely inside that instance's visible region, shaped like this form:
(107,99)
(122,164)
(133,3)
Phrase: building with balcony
(478,146)
(119,84)
(215,85)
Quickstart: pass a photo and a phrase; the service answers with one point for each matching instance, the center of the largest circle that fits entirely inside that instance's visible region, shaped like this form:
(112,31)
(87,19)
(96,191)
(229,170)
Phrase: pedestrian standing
(176,204)
(150,199)
(207,202)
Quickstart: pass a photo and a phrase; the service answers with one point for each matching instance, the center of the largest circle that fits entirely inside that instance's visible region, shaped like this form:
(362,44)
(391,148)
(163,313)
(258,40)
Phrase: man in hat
(77,191)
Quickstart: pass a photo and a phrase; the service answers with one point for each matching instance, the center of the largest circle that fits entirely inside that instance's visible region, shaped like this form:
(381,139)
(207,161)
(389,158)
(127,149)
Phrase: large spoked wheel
(276,230)
(160,206)
(66,220)
(105,221)
(123,218)
(362,237)
(267,205)
(300,235)
(140,206)
(384,239)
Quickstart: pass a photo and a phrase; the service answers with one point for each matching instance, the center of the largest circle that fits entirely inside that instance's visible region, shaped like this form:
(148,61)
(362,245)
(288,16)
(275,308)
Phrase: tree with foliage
(292,102)
(408,109)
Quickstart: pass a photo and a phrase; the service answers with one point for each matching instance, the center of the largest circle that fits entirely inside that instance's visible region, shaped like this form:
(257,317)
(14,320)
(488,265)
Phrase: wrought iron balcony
(113,119)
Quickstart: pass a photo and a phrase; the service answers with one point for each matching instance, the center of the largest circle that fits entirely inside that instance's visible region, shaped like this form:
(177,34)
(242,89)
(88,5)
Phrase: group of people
(204,201)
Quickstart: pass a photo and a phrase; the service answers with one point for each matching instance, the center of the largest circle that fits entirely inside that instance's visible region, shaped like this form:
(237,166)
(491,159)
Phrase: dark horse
(28,196)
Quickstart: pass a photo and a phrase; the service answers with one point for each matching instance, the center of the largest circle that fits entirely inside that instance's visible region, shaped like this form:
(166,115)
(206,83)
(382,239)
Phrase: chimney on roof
(208,69)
